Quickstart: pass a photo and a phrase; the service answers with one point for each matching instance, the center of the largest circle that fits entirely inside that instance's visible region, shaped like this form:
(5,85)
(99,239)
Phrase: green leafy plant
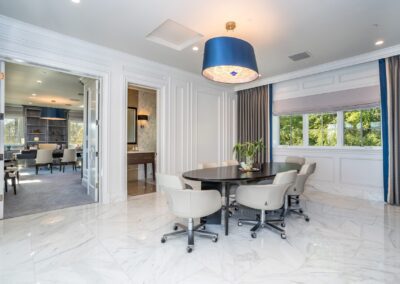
(248,149)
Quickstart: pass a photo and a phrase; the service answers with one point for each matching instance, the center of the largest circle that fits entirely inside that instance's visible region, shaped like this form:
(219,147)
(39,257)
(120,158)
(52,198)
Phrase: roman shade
(365,97)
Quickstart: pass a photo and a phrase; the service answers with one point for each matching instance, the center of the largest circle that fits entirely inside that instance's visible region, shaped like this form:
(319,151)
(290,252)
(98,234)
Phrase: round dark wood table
(225,176)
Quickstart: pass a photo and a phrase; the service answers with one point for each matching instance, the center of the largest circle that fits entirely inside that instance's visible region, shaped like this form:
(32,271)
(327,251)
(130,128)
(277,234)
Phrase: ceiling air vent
(174,35)
(300,56)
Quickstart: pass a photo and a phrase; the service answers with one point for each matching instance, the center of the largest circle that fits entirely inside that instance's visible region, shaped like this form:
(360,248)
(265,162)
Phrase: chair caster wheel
(283,225)
(175,228)
(283,236)
(297,202)
(301,211)
(189,249)
(240,224)
(307,219)
(203,227)
(253,235)
(215,239)
(236,209)
(163,239)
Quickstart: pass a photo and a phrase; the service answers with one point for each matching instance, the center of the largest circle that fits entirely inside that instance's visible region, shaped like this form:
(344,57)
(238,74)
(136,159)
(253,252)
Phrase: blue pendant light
(229,59)
(50,113)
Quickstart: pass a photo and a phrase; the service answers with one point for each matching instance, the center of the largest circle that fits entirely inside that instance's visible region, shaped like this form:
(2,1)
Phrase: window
(13,131)
(291,130)
(362,127)
(322,129)
(75,133)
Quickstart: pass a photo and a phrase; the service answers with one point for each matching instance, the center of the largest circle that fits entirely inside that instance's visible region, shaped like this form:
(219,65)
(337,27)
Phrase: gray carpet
(45,192)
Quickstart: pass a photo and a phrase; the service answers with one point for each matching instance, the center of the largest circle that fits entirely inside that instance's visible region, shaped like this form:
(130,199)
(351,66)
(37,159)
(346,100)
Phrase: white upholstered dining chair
(189,204)
(44,158)
(69,158)
(269,197)
(297,190)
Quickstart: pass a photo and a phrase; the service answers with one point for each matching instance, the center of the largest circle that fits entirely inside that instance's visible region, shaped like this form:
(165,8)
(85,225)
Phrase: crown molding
(350,61)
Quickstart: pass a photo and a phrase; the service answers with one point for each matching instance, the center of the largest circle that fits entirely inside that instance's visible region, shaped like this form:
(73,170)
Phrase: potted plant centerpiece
(248,150)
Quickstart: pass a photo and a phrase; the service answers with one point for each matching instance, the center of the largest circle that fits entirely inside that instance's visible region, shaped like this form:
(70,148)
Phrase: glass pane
(352,128)
(284,130)
(314,132)
(371,120)
(13,131)
(297,130)
(75,133)
(329,129)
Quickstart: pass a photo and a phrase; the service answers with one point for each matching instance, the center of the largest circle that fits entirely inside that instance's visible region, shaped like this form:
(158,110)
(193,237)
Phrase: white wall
(186,135)
(352,171)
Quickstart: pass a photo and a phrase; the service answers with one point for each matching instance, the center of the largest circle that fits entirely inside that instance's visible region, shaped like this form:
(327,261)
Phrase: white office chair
(295,160)
(69,158)
(44,158)
(207,165)
(189,204)
(230,163)
(268,197)
(297,190)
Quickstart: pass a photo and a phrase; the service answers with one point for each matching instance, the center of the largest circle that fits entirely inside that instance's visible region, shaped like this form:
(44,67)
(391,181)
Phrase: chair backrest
(299,186)
(69,155)
(165,182)
(295,160)
(230,163)
(267,197)
(188,203)
(44,156)
(207,165)
(47,146)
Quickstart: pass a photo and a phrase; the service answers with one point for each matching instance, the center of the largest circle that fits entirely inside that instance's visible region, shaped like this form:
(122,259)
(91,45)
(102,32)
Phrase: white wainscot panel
(208,108)
(366,172)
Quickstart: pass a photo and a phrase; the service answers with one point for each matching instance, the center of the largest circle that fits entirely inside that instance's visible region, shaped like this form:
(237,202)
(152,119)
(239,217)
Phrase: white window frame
(339,136)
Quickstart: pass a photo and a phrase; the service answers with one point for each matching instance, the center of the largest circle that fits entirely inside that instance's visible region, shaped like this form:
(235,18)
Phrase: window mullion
(340,129)
(305,130)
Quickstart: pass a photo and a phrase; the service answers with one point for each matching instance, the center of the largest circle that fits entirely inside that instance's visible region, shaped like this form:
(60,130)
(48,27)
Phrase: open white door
(91,155)
(2,99)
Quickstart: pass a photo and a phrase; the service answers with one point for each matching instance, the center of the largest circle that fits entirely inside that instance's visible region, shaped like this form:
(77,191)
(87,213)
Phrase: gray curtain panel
(393,119)
(254,117)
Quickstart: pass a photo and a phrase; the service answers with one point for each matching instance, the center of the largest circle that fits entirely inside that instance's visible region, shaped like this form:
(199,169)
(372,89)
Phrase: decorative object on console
(248,150)
(229,59)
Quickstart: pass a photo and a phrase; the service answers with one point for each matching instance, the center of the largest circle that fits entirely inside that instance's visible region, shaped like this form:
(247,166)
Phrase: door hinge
(2,76)
(97,154)
(1,197)
(1,116)
(97,123)
(1,157)
(97,185)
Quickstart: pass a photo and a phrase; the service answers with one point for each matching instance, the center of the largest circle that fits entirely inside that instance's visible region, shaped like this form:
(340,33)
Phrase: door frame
(104,82)
(160,88)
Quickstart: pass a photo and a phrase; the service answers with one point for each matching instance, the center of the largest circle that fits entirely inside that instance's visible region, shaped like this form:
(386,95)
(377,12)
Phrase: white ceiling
(21,83)
(328,29)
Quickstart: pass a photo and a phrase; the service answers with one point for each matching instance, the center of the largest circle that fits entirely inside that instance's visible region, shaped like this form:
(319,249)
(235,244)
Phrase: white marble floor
(346,241)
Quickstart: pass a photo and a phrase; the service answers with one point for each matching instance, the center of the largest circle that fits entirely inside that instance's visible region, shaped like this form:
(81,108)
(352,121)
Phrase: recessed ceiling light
(19,60)
(34,95)
(379,42)
(39,81)
(76,1)
(81,106)
(195,48)
(30,103)
(53,101)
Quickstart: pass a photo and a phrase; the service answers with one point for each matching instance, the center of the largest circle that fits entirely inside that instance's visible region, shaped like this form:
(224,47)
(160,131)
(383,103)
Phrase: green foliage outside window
(362,127)
(291,130)
(322,129)
(75,133)
(13,131)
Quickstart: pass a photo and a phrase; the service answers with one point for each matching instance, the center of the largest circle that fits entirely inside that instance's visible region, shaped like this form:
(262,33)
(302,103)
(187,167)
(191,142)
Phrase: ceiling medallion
(229,59)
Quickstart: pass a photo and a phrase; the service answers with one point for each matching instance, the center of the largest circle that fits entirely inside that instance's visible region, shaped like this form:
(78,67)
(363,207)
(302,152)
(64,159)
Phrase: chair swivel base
(190,230)
(262,223)
(296,209)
